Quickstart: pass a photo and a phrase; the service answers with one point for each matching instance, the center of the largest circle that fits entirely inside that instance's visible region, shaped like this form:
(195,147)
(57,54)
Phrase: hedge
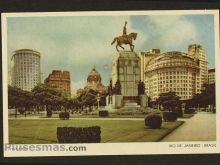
(170,116)
(189,111)
(153,121)
(64,115)
(103,113)
(79,134)
(179,113)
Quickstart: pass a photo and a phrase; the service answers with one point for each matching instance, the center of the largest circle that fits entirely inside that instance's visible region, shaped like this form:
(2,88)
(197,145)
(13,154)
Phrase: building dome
(94,76)
(93,83)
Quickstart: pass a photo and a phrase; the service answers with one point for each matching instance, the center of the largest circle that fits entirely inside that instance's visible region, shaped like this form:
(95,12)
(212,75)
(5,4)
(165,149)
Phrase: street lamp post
(98,99)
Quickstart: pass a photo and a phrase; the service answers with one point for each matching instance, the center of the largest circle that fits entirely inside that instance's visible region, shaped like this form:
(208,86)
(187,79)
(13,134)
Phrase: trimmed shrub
(79,134)
(179,113)
(153,121)
(49,113)
(64,115)
(103,113)
(189,111)
(170,116)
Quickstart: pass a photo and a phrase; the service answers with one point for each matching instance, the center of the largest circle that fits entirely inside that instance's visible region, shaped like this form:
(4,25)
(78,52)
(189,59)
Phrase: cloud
(170,32)
(77,43)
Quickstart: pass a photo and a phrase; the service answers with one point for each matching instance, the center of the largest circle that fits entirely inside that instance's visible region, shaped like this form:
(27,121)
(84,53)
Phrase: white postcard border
(115,148)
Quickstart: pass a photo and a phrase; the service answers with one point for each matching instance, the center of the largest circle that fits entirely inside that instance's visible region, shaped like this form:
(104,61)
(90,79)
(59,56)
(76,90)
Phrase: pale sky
(77,43)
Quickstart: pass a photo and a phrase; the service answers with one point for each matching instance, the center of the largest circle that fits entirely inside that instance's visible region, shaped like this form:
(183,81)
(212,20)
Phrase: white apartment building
(183,73)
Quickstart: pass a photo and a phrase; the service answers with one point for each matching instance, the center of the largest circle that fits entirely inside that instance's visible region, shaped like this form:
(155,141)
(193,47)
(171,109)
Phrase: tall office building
(25,69)
(197,52)
(180,72)
(60,81)
(211,76)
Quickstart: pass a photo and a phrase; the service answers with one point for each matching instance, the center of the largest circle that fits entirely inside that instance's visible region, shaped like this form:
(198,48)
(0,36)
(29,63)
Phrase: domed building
(180,72)
(94,82)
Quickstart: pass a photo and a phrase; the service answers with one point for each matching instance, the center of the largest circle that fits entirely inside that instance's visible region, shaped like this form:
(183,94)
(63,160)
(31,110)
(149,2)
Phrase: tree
(47,96)
(72,103)
(208,95)
(205,98)
(15,97)
(19,98)
(170,101)
(89,98)
(103,99)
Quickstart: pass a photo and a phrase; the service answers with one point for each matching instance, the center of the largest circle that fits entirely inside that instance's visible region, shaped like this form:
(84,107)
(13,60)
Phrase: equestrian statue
(125,39)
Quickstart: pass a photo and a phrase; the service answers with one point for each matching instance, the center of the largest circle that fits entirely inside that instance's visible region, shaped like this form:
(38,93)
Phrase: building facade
(211,76)
(145,58)
(94,82)
(60,81)
(9,78)
(198,53)
(25,69)
(180,72)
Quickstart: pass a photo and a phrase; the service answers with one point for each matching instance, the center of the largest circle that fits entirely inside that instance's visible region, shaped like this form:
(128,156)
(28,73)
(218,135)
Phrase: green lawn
(36,131)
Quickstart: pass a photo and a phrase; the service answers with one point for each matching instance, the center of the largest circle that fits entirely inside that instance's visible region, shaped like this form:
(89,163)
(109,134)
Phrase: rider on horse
(125,39)
(124,29)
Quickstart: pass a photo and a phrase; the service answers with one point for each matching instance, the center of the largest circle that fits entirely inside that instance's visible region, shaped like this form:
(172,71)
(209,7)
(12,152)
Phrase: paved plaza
(201,127)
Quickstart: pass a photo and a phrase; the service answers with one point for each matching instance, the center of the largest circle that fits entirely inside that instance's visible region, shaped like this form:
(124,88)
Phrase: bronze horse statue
(125,39)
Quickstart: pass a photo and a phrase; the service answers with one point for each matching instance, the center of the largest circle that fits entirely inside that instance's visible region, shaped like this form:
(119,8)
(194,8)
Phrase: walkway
(201,127)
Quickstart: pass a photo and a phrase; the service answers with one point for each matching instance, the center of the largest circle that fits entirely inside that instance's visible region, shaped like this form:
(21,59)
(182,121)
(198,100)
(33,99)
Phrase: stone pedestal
(108,100)
(130,106)
(110,108)
(117,101)
(143,101)
(127,69)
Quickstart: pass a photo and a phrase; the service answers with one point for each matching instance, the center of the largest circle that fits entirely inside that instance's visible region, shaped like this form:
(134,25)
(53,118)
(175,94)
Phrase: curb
(170,131)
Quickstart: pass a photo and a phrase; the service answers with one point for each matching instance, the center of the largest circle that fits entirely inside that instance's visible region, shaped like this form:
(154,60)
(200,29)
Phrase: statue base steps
(110,108)
(130,107)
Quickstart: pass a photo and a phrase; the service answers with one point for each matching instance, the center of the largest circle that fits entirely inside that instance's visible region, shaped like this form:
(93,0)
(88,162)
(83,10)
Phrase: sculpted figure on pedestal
(125,39)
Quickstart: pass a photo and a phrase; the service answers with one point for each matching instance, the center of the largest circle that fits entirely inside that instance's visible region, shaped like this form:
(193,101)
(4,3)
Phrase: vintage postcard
(110,83)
